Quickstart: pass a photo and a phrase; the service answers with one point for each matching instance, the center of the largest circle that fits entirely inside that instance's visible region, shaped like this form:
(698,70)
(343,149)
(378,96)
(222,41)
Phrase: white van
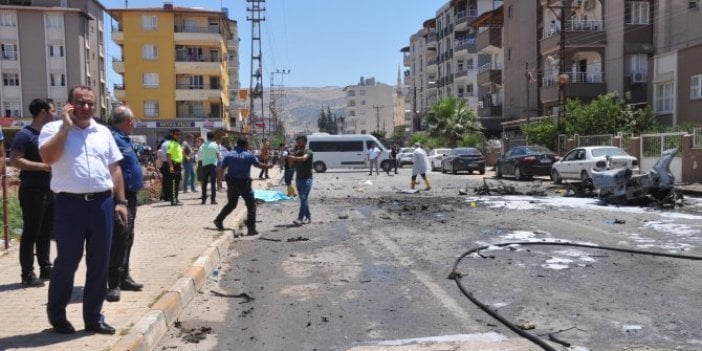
(344,151)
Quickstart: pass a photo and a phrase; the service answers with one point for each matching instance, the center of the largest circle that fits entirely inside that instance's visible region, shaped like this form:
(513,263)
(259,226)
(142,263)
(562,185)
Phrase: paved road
(375,264)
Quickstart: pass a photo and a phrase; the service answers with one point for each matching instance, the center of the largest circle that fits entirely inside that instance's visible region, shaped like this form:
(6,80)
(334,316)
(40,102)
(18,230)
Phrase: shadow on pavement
(11,286)
(45,337)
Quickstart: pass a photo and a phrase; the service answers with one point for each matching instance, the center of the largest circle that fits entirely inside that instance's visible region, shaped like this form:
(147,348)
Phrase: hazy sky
(322,42)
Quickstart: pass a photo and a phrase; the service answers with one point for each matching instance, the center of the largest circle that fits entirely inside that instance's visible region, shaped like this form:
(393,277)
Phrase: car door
(507,166)
(567,166)
(353,154)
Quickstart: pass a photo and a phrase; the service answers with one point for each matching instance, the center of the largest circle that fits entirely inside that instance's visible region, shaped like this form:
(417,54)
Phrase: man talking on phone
(89,188)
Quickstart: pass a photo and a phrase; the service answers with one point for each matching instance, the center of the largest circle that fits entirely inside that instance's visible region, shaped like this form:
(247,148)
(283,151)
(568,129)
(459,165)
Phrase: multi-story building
(175,67)
(46,47)
(234,83)
(676,73)
(608,44)
(490,81)
(400,118)
(421,75)
(369,107)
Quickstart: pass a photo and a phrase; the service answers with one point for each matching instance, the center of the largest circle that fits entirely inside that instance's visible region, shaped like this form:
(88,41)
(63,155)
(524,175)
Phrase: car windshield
(465,152)
(608,151)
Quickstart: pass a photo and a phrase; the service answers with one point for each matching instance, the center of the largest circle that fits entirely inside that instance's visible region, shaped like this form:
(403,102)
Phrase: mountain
(302,105)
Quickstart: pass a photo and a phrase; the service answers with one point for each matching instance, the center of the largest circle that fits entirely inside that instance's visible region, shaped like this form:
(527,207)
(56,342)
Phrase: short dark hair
(38,105)
(175,131)
(210,136)
(281,145)
(77,87)
(242,142)
(301,137)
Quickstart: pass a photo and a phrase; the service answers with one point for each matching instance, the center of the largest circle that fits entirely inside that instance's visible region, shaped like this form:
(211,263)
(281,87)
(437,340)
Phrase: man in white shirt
(373,156)
(89,188)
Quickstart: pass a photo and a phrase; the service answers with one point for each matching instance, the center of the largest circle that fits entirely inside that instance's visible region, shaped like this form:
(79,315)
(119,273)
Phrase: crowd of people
(79,182)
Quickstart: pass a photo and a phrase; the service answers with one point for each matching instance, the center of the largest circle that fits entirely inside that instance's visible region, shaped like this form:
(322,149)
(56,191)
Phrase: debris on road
(192,335)
(247,298)
(344,217)
(525,325)
(503,188)
(299,238)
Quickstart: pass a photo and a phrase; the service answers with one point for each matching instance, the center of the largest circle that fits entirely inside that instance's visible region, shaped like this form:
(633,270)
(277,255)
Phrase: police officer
(238,164)
(118,278)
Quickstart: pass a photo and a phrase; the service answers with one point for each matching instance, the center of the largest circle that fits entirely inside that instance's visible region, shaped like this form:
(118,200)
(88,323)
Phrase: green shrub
(14,215)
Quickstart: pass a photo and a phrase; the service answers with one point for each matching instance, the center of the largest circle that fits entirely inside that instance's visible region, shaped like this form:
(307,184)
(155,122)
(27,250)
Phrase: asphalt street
(374,263)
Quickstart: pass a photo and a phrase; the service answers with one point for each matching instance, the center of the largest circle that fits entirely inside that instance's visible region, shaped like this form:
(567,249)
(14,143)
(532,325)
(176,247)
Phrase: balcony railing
(491,66)
(197,29)
(592,77)
(431,61)
(203,86)
(575,26)
(464,14)
(119,86)
(465,43)
(197,58)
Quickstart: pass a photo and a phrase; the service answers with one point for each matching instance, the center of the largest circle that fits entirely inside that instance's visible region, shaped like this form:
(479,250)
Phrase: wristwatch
(121,202)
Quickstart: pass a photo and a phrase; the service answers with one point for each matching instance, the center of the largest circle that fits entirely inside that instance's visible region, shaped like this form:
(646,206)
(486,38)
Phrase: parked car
(579,163)
(463,159)
(404,157)
(345,151)
(524,162)
(435,157)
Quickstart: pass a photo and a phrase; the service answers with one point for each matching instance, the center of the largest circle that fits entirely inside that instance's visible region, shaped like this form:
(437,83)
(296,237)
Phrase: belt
(87,196)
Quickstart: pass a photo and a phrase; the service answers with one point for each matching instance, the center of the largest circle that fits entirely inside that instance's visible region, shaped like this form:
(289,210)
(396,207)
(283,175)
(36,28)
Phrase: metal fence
(652,145)
(697,138)
(593,140)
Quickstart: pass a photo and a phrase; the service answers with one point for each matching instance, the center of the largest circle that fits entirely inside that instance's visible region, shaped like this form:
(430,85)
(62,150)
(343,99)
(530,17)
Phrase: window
(150,52)
(56,50)
(363,92)
(363,102)
(637,67)
(54,21)
(9,51)
(693,4)
(57,79)
(664,98)
(696,87)
(150,80)
(151,108)
(636,12)
(149,23)
(10,79)
(12,109)
(8,19)
(336,146)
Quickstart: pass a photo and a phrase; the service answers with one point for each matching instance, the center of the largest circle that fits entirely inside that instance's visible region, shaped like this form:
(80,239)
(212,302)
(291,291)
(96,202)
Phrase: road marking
(442,296)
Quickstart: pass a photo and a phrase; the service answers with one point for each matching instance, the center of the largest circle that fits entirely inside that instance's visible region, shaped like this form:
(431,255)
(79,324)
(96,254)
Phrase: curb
(149,330)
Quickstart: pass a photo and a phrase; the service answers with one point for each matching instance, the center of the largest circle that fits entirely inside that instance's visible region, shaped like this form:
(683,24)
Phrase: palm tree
(453,120)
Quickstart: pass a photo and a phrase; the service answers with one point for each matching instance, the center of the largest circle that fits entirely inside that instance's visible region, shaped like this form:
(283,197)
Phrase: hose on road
(457,277)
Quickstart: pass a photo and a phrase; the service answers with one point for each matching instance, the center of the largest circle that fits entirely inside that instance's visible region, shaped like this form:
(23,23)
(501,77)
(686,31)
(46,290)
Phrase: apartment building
(676,72)
(47,46)
(234,84)
(401,116)
(490,81)
(443,59)
(370,106)
(175,67)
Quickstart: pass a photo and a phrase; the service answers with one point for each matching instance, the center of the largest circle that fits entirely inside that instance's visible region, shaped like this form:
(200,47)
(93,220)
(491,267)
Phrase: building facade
(47,47)
(370,107)
(175,67)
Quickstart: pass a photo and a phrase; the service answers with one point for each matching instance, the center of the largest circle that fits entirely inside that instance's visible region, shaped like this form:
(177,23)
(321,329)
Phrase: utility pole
(377,117)
(415,120)
(277,99)
(526,75)
(256,11)
(562,77)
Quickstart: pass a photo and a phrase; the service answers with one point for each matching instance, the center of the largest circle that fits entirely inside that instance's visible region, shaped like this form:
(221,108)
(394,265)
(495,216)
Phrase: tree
(379,134)
(544,133)
(607,114)
(453,120)
(327,121)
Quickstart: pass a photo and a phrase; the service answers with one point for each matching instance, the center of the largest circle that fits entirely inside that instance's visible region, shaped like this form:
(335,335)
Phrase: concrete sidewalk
(168,239)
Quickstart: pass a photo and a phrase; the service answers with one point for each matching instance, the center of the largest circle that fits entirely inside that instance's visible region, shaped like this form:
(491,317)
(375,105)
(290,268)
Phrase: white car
(435,157)
(579,163)
(404,157)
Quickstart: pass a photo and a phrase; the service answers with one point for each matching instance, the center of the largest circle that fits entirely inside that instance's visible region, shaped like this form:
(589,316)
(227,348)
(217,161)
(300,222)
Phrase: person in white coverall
(420,166)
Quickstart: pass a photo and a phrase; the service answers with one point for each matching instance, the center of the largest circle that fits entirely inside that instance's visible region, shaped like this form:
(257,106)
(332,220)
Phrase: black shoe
(218,224)
(112,295)
(213,202)
(130,285)
(203,202)
(31,281)
(100,328)
(252,232)
(63,327)
(45,273)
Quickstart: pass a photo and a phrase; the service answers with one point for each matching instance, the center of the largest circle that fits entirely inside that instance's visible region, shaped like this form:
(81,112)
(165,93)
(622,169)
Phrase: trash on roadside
(270,196)
(525,325)
(299,238)
(344,217)
(409,191)
(247,298)
(616,221)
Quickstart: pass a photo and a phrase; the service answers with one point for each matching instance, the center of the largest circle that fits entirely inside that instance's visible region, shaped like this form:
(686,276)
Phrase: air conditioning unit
(638,77)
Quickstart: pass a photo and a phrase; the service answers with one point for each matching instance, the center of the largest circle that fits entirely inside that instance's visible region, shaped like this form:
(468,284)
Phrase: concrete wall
(34,73)
(688,110)
(520,47)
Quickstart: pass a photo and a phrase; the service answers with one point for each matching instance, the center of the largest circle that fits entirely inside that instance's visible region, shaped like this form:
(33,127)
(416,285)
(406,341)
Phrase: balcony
(198,110)
(117,34)
(463,72)
(431,61)
(120,92)
(118,65)
(198,92)
(198,35)
(201,65)
(581,85)
(406,60)
(578,33)
(490,73)
(464,17)
(490,111)
(465,45)
(489,40)
(431,39)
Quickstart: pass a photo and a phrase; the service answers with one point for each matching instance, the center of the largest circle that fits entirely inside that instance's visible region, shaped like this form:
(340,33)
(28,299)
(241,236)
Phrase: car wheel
(482,171)
(555,177)
(518,174)
(586,180)
(498,171)
(470,171)
(320,167)
(443,170)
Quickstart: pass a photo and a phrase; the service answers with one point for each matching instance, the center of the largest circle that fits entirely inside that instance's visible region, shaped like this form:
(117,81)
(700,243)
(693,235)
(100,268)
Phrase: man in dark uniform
(393,156)
(238,164)
(123,123)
